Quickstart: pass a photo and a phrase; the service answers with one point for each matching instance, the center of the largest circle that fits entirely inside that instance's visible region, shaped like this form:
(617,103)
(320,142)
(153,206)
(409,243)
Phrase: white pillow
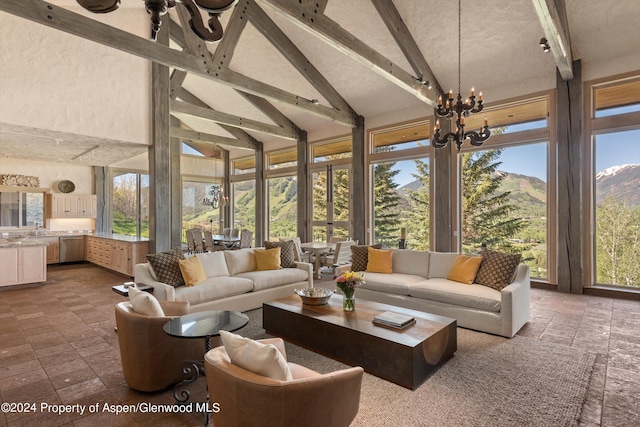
(144,303)
(440,264)
(262,359)
(214,263)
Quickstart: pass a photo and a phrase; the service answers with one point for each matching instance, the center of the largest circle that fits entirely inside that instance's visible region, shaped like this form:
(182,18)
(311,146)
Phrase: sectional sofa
(232,282)
(419,281)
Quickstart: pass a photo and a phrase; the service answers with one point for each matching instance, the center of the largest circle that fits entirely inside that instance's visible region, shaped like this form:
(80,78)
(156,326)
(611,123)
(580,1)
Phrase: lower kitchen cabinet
(53,249)
(114,254)
(25,264)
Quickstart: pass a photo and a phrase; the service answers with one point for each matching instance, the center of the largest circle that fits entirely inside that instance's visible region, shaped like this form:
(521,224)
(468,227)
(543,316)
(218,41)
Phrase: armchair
(151,359)
(311,399)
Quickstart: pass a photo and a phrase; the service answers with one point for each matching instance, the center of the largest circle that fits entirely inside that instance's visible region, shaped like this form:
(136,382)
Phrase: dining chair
(209,244)
(226,231)
(341,255)
(336,239)
(245,238)
(195,241)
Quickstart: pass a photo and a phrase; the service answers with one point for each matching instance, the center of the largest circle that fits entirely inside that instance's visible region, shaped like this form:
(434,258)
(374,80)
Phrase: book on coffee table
(393,320)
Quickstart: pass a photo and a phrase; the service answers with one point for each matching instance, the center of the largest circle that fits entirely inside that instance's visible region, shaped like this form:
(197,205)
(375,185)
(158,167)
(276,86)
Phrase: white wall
(50,174)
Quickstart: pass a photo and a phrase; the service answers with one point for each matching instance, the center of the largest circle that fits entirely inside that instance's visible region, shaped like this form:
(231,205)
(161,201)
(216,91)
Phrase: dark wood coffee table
(405,357)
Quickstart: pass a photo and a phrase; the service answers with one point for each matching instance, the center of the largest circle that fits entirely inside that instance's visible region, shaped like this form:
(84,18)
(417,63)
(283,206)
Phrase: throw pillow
(360,256)
(380,261)
(464,269)
(497,269)
(192,271)
(262,359)
(165,265)
(144,303)
(267,259)
(287,253)
(214,263)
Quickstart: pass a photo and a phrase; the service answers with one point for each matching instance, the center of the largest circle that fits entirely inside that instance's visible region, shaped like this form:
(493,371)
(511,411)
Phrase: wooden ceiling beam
(272,112)
(181,133)
(398,29)
(555,27)
(87,28)
(330,32)
(231,120)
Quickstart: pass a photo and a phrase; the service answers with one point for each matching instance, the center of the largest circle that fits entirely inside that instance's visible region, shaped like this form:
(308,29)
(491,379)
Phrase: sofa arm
(161,291)
(308,268)
(516,302)
(343,268)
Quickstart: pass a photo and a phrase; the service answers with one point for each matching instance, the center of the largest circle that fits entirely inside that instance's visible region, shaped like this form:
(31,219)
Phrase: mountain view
(621,181)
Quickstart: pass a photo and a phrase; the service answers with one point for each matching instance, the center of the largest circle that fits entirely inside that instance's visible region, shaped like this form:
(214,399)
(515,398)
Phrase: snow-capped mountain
(622,182)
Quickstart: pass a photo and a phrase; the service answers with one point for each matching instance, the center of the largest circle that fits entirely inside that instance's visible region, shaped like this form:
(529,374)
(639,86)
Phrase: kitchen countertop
(31,240)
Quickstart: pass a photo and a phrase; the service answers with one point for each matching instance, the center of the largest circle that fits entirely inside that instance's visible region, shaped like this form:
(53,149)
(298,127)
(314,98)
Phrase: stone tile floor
(58,347)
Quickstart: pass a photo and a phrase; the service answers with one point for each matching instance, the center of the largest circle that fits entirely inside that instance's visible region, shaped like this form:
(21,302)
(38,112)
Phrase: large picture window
(130,204)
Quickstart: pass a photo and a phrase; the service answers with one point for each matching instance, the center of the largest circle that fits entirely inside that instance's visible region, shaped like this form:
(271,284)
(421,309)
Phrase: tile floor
(58,346)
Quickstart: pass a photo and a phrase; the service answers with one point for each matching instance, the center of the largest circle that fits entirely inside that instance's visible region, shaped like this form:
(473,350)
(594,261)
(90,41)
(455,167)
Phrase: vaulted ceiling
(288,66)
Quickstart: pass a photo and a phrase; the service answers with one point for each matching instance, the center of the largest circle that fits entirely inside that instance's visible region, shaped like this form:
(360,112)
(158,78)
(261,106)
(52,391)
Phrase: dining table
(317,248)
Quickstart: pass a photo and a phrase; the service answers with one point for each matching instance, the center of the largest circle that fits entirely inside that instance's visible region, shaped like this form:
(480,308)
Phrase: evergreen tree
(386,210)
(486,213)
(418,224)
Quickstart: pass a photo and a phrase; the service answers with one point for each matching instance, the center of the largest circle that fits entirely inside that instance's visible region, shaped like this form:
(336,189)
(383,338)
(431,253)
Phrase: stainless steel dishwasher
(71,248)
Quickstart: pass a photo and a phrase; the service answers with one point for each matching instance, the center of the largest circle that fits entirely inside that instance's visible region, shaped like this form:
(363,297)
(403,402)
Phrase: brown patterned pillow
(360,256)
(497,269)
(166,267)
(287,252)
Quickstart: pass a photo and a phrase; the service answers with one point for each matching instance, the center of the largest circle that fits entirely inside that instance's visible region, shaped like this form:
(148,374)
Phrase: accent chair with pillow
(151,359)
(248,398)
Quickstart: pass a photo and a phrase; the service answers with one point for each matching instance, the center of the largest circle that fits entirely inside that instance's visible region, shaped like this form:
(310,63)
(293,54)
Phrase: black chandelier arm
(215,6)
(197,25)
(477,138)
(99,6)
(442,142)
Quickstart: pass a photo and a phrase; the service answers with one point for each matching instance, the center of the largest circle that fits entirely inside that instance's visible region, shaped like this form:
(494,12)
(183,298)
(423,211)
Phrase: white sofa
(419,282)
(232,282)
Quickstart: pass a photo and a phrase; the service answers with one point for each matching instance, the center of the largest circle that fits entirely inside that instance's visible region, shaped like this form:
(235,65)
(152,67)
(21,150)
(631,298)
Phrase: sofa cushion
(254,356)
(411,262)
(144,303)
(380,260)
(165,265)
(267,259)
(464,269)
(214,263)
(192,271)
(497,269)
(273,278)
(396,283)
(239,261)
(287,252)
(440,264)
(360,256)
(473,296)
(213,288)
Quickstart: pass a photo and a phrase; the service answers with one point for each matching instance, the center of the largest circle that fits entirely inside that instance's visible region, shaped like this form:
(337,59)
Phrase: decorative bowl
(66,186)
(314,296)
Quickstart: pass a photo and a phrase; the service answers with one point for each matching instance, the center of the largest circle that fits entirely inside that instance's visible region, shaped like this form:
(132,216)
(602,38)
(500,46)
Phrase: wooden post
(442,180)
(302,199)
(569,146)
(358,213)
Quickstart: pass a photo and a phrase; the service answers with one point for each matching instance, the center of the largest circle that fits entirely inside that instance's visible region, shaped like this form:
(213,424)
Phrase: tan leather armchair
(311,399)
(152,359)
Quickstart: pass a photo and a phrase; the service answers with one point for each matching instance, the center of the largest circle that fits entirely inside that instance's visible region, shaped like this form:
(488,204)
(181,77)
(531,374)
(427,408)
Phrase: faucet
(37,229)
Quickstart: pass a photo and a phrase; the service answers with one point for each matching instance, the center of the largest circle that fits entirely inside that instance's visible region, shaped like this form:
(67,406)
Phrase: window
(504,190)
(331,150)
(130,203)
(21,208)
(282,208)
(399,170)
(195,214)
(244,205)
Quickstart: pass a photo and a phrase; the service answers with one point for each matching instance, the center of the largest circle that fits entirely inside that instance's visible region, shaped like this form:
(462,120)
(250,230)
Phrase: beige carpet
(491,381)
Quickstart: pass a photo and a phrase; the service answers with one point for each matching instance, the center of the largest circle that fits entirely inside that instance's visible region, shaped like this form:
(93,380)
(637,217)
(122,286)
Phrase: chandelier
(158,8)
(460,110)
(216,197)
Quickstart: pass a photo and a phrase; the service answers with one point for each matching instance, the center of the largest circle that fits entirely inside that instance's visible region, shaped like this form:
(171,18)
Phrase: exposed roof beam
(329,31)
(195,45)
(278,38)
(554,25)
(176,34)
(227,46)
(175,83)
(398,29)
(176,132)
(272,112)
(231,120)
(76,24)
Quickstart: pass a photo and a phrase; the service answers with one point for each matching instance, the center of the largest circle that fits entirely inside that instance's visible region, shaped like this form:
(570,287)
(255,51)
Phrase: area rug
(490,381)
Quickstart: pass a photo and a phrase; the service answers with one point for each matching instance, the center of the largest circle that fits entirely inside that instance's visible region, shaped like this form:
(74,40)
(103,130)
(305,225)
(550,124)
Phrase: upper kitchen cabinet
(61,205)
(21,206)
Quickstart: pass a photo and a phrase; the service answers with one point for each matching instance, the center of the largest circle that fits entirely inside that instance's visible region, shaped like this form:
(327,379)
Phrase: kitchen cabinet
(61,205)
(115,254)
(23,264)
(53,249)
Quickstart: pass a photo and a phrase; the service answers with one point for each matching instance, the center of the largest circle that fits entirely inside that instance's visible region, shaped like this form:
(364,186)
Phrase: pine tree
(486,213)
(386,210)
(418,224)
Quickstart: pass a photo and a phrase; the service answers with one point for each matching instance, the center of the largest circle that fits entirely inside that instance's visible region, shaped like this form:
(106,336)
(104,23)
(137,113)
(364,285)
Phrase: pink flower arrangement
(349,281)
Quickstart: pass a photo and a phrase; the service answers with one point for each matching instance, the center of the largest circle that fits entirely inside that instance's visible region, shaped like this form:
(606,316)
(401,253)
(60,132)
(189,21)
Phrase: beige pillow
(268,259)
(192,271)
(144,303)
(262,359)
(464,269)
(214,263)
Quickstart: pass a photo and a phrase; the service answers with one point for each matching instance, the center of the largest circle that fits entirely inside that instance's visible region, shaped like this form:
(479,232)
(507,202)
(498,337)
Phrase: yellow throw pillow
(380,261)
(268,259)
(464,269)
(192,271)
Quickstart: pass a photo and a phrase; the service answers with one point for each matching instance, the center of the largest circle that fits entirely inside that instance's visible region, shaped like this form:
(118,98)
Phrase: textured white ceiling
(500,57)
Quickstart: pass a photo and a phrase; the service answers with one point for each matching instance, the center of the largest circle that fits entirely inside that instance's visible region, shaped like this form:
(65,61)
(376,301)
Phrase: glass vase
(349,303)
